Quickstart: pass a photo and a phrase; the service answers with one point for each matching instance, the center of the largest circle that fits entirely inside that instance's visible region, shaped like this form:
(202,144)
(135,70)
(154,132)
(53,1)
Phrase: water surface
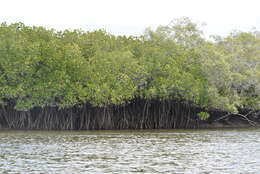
(231,151)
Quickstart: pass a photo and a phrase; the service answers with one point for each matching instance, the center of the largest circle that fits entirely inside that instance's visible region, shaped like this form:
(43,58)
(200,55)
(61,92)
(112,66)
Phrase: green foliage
(112,77)
(232,67)
(203,115)
(41,67)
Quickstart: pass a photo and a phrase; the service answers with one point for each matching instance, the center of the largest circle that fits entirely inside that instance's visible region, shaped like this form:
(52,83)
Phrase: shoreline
(138,115)
(202,126)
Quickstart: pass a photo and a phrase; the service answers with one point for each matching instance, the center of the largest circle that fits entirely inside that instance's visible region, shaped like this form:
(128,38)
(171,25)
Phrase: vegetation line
(49,72)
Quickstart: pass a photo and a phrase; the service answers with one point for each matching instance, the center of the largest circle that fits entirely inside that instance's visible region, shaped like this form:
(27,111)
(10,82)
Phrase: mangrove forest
(169,77)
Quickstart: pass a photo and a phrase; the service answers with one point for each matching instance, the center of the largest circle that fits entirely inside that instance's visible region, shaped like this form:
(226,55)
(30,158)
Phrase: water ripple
(158,151)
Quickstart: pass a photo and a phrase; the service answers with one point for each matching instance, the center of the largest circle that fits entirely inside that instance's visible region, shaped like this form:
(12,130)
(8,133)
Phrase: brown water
(158,151)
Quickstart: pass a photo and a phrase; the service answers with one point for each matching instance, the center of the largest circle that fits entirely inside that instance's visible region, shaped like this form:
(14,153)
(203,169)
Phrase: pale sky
(131,17)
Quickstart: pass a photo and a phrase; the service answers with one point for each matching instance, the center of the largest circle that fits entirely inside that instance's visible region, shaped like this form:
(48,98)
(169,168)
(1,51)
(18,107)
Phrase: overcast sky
(131,17)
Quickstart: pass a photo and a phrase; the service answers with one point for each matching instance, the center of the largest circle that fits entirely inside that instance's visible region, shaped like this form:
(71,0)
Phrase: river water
(231,151)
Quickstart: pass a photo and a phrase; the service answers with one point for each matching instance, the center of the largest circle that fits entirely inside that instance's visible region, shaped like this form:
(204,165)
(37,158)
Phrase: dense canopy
(41,67)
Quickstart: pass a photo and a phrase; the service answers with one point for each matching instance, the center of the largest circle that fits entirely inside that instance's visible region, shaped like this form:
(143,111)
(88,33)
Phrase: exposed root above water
(139,114)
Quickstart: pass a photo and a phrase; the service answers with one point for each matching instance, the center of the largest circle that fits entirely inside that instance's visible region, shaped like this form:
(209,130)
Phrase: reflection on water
(158,151)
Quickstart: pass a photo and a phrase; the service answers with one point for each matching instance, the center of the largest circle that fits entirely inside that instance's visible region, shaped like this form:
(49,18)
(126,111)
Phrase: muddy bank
(139,114)
(230,124)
